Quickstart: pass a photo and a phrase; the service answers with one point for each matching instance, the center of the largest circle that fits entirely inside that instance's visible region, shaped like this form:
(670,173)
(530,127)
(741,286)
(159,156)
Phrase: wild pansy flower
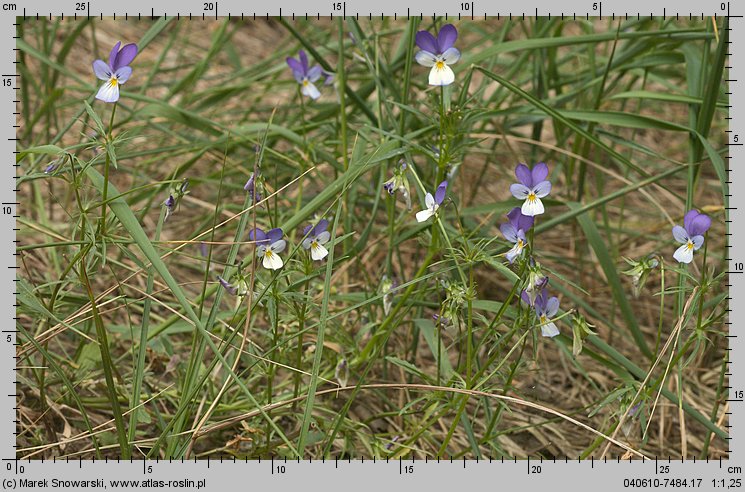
(537,281)
(269,245)
(251,186)
(315,237)
(116,72)
(438,53)
(531,188)
(432,203)
(399,182)
(545,308)
(304,75)
(691,235)
(175,197)
(233,289)
(514,231)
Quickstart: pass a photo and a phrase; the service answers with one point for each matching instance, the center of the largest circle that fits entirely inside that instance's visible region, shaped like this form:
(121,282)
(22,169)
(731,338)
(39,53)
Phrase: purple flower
(432,203)
(438,53)
(399,182)
(305,76)
(232,290)
(116,72)
(691,235)
(250,187)
(545,308)
(51,167)
(269,245)
(315,237)
(531,188)
(514,231)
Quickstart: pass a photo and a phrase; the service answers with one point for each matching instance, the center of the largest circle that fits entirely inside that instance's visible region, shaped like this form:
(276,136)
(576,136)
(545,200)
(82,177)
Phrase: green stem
(105,192)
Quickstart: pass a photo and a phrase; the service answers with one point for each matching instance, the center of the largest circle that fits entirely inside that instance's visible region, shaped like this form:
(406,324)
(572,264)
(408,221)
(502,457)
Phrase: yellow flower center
(305,82)
(268,253)
(440,65)
(520,243)
(689,245)
(531,197)
(543,318)
(113,81)
(314,244)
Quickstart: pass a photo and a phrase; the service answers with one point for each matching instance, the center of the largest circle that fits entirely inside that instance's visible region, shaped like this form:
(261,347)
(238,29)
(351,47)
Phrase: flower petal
(278,246)
(532,207)
(446,37)
(680,234)
(523,175)
(697,241)
(108,92)
(451,55)
(306,243)
(425,214)
(323,237)
(542,189)
(310,90)
(524,223)
(322,225)
(297,68)
(526,297)
(125,56)
(314,73)
(440,192)
(514,252)
(122,74)
(441,76)
(102,70)
(683,254)
(509,232)
(114,54)
(425,58)
(318,252)
(549,330)
(699,225)
(257,235)
(274,235)
(429,201)
(303,61)
(272,262)
(552,307)
(689,216)
(539,172)
(426,41)
(519,191)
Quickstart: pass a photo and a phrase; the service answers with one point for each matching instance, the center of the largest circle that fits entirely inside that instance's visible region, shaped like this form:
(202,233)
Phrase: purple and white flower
(399,182)
(315,237)
(116,72)
(545,308)
(532,187)
(269,245)
(432,203)
(438,53)
(306,75)
(514,231)
(174,198)
(691,235)
(251,186)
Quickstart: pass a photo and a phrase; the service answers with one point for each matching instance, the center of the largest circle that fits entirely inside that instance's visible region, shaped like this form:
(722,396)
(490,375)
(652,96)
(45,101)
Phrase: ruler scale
(221,472)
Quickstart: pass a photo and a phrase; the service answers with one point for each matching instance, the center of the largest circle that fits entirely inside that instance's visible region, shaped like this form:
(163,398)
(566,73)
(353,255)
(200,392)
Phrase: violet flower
(315,237)
(691,235)
(116,72)
(432,203)
(232,290)
(438,53)
(399,182)
(250,187)
(531,188)
(269,245)
(514,231)
(304,75)
(545,308)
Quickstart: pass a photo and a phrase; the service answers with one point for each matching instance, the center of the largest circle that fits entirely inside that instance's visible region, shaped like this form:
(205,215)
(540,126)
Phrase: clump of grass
(336,259)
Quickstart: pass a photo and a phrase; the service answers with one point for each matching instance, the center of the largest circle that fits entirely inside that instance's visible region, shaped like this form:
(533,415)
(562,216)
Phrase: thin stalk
(107,164)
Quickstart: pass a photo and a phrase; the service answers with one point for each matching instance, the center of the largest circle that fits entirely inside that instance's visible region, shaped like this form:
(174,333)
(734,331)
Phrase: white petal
(680,234)
(278,246)
(108,92)
(123,74)
(323,237)
(306,242)
(519,190)
(532,207)
(310,90)
(441,76)
(272,261)
(425,58)
(514,252)
(429,200)
(318,252)
(425,214)
(683,254)
(549,330)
